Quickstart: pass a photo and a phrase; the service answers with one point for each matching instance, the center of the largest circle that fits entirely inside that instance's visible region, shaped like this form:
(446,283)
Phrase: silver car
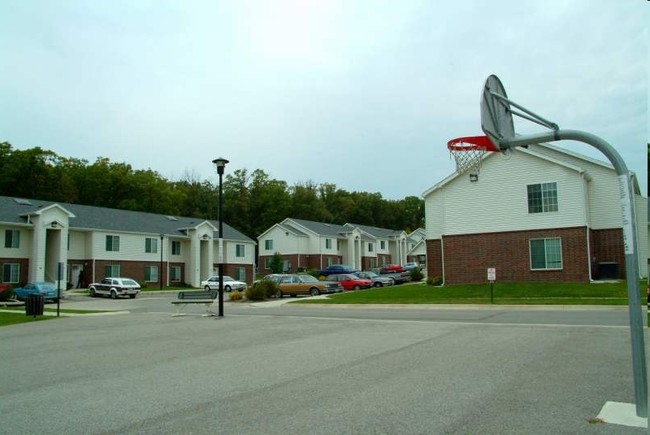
(229,284)
(377,280)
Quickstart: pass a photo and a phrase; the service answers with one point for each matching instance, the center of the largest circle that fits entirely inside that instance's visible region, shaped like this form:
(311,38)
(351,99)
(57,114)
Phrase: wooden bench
(205,297)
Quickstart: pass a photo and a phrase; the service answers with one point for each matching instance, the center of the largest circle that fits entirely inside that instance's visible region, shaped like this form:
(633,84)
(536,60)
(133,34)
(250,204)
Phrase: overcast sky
(361,94)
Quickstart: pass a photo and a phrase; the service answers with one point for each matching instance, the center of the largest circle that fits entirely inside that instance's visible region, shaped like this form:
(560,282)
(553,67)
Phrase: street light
(161,260)
(221,165)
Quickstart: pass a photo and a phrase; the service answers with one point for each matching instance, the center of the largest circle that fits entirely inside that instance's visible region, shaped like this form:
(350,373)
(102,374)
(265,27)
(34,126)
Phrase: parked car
(413,265)
(47,289)
(392,268)
(336,268)
(229,284)
(294,284)
(397,277)
(114,287)
(376,279)
(350,281)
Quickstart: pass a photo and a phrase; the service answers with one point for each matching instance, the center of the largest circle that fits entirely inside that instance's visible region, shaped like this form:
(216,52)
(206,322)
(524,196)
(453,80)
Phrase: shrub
(416,275)
(435,281)
(262,290)
(236,296)
(7,294)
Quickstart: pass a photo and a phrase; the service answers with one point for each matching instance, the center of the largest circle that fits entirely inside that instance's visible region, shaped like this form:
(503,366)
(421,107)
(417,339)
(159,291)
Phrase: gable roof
(85,217)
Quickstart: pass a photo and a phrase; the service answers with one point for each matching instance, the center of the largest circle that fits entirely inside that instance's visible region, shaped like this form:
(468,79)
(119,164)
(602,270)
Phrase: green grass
(504,294)
(15,318)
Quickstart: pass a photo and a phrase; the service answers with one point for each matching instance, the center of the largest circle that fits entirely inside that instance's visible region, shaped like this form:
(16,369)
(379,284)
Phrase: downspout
(586,179)
(442,256)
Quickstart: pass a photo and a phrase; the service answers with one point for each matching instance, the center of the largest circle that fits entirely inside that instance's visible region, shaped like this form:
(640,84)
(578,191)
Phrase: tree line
(252,201)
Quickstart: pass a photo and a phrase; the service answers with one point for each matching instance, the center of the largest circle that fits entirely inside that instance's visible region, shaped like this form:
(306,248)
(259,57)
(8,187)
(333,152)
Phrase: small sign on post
(492,276)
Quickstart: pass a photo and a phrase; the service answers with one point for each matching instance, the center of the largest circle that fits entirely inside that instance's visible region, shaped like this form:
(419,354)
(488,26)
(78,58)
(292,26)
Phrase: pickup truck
(336,269)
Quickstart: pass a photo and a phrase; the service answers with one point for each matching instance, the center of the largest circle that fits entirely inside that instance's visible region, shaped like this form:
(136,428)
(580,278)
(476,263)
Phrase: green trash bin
(35,304)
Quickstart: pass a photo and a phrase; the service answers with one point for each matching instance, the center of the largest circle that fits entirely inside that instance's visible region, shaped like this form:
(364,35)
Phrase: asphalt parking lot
(276,370)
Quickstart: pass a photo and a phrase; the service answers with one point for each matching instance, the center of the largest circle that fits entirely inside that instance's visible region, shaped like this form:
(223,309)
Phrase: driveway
(256,371)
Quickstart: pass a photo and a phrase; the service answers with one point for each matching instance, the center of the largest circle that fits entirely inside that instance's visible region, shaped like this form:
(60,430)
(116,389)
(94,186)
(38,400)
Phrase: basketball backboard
(496,116)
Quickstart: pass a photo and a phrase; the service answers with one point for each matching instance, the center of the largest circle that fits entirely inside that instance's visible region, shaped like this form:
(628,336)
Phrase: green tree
(276,263)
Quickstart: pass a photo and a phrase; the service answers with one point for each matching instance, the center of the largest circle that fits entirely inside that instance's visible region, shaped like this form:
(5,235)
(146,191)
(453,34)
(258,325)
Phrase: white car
(114,287)
(229,284)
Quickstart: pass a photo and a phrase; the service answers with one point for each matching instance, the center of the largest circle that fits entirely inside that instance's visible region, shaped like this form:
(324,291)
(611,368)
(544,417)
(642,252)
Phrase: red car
(350,281)
(392,268)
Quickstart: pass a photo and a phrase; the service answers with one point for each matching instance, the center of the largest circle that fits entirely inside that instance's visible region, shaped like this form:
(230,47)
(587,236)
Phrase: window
(175,273)
(176,248)
(328,243)
(150,245)
(112,270)
(545,254)
(268,244)
(113,243)
(240,251)
(371,247)
(267,262)
(11,273)
(382,245)
(240,274)
(12,239)
(542,197)
(151,273)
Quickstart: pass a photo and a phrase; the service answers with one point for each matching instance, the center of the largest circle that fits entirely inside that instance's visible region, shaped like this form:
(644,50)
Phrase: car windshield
(308,278)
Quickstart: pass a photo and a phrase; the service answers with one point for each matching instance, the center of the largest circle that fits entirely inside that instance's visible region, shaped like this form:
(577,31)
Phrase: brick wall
(607,246)
(467,257)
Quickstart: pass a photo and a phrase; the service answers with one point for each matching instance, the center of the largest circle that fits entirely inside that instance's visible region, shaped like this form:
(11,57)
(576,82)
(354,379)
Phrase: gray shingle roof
(100,218)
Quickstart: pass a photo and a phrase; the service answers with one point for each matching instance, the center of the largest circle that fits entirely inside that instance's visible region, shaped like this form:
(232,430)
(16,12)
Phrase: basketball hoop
(468,152)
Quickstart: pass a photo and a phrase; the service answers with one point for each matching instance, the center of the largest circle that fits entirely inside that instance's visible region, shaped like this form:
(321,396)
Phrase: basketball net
(468,152)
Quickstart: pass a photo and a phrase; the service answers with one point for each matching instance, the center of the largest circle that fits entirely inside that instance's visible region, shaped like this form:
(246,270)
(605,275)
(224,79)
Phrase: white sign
(626,209)
(492,274)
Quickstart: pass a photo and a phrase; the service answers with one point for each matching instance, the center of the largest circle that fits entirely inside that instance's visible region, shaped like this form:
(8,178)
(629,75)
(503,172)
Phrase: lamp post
(161,260)
(221,165)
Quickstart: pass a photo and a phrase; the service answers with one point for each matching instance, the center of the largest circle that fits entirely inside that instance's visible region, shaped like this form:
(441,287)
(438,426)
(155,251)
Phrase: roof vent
(172,218)
(22,201)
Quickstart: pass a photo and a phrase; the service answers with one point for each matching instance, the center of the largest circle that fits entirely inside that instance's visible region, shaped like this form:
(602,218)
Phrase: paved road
(282,369)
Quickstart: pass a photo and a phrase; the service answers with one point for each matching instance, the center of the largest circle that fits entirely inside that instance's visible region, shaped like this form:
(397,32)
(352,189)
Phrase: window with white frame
(11,273)
(240,274)
(150,245)
(176,247)
(546,254)
(542,198)
(112,243)
(151,273)
(267,262)
(328,243)
(382,244)
(240,250)
(112,271)
(371,247)
(268,244)
(12,239)
(175,273)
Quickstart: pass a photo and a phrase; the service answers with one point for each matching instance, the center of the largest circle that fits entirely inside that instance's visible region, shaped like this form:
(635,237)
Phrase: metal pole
(220,170)
(161,261)
(629,241)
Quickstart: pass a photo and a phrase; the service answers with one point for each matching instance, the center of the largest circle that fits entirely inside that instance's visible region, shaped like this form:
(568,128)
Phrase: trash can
(35,304)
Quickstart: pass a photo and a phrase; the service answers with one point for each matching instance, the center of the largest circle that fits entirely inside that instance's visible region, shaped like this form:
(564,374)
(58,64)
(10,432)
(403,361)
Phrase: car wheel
(278,294)
(228,288)
(207,288)
(356,287)
(378,284)
(91,292)
(113,294)
(314,292)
